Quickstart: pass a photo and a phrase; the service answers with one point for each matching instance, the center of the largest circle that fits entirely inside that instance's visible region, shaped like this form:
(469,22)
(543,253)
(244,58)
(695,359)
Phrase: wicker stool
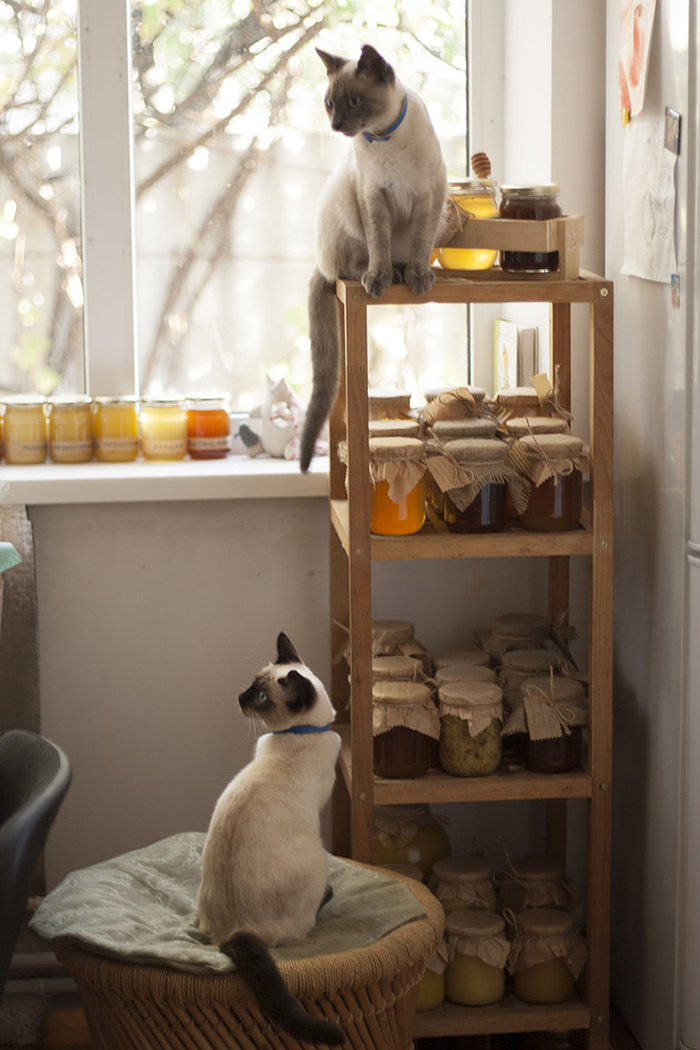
(369,991)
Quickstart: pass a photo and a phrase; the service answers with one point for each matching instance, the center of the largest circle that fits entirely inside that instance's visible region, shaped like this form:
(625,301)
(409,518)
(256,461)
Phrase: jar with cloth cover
(404,725)
(552,465)
(476,479)
(470,728)
(410,835)
(478,951)
(519,630)
(535,882)
(551,716)
(397,638)
(547,955)
(464,882)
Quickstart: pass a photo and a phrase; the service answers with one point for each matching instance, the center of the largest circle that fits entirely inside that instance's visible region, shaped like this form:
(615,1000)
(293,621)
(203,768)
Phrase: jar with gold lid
(70,429)
(411,835)
(552,464)
(163,428)
(209,426)
(535,882)
(116,428)
(547,955)
(397,497)
(464,882)
(473,198)
(478,951)
(532,203)
(470,728)
(24,429)
(404,726)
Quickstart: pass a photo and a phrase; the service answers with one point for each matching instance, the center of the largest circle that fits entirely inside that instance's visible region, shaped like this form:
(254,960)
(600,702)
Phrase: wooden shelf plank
(429,543)
(508,1015)
(438,786)
(482,286)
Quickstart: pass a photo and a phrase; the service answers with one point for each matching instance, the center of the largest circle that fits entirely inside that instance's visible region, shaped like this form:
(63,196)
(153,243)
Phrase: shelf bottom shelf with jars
(508,1015)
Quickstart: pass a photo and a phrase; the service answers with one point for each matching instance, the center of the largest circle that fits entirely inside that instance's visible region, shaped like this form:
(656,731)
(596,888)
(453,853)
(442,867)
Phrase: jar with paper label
(411,835)
(474,477)
(547,955)
(208,427)
(478,951)
(464,882)
(404,726)
(116,428)
(163,428)
(552,464)
(473,198)
(556,711)
(535,882)
(70,429)
(24,429)
(532,203)
(470,728)
(431,987)
(397,497)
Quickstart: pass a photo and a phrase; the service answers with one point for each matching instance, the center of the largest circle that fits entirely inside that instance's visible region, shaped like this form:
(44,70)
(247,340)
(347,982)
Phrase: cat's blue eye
(353,102)
(329,104)
(262,696)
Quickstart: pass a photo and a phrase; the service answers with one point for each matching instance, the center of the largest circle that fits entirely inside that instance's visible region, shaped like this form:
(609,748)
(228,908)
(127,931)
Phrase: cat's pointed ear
(299,692)
(371,62)
(286,653)
(331,62)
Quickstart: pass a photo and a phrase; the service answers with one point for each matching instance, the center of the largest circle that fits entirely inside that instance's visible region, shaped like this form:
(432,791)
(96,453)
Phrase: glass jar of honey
(480,505)
(464,882)
(519,426)
(546,957)
(552,465)
(556,711)
(70,429)
(24,429)
(404,726)
(521,630)
(535,882)
(388,403)
(397,498)
(470,728)
(115,425)
(464,673)
(410,835)
(208,427)
(478,951)
(431,987)
(521,401)
(533,203)
(473,198)
(163,428)
(396,638)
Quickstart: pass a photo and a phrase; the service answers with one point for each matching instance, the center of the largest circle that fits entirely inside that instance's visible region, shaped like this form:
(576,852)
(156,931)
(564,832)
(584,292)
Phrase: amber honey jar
(404,726)
(116,429)
(470,728)
(410,835)
(534,203)
(480,504)
(24,429)
(473,198)
(555,711)
(478,950)
(397,497)
(546,957)
(464,882)
(552,465)
(70,429)
(208,427)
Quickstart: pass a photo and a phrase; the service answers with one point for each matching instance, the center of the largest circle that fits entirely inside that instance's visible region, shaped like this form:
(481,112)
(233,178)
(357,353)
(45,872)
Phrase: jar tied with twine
(551,716)
(478,951)
(552,465)
(547,955)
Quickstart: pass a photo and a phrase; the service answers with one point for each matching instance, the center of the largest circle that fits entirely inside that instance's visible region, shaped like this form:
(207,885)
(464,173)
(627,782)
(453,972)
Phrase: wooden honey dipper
(481,165)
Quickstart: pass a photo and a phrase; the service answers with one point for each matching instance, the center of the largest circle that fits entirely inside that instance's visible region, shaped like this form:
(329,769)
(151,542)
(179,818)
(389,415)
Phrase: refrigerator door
(689,926)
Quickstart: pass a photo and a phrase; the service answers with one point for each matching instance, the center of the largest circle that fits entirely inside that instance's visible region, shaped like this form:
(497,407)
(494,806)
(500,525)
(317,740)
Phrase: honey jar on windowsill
(473,198)
(24,429)
(208,427)
(116,429)
(70,429)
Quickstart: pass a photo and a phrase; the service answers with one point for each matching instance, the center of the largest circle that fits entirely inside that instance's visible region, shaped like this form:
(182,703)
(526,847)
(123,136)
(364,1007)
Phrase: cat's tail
(258,969)
(323,328)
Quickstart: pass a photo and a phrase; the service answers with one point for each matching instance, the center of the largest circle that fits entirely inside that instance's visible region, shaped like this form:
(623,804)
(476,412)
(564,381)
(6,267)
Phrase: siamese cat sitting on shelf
(379,211)
(264,866)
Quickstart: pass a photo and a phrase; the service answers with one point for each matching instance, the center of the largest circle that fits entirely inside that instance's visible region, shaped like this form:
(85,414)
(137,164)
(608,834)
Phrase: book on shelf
(515,353)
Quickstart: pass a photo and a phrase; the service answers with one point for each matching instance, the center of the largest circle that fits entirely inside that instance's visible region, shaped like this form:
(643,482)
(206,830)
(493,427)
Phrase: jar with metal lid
(394,428)
(115,425)
(534,203)
(519,426)
(546,956)
(552,714)
(464,882)
(473,198)
(411,835)
(431,987)
(404,726)
(552,465)
(163,428)
(535,882)
(474,477)
(397,498)
(70,429)
(208,427)
(24,429)
(387,403)
(478,952)
(470,728)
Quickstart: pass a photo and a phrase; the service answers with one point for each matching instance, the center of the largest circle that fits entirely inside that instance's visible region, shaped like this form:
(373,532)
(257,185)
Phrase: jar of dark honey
(555,711)
(552,465)
(404,726)
(481,504)
(534,203)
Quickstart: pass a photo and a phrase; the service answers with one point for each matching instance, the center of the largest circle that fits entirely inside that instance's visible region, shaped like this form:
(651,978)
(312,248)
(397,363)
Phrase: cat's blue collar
(384,136)
(303,729)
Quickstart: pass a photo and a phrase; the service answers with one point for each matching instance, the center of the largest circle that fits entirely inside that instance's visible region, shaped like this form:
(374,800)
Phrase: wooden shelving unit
(353,550)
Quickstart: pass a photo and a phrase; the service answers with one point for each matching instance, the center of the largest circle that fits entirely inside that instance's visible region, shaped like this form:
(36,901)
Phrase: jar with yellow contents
(547,955)
(163,428)
(431,987)
(70,429)
(473,198)
(410,835)
(24,429)
(116,428)
(470,728)
(535,882)
(464,882)
(478,952)
(397,497)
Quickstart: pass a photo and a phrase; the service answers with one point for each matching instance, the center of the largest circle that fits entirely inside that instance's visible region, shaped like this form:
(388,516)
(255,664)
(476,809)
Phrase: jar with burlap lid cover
(519,664)
(445,430)
(547,955)
(459,672)
(404,726)
(397,472)
(535,882)
(464,882)
(476,480)
(470,728)
(517,630)
(478,952)
(552,465)
(397,668)
(517,401)
(394,428)
(475,657)
(459,403)
(431,987)
(519,426)
(388,403)
(551,718)
(411,835)
(397,638)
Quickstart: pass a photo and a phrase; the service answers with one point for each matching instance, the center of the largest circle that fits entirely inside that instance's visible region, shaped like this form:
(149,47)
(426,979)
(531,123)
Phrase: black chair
(34,777)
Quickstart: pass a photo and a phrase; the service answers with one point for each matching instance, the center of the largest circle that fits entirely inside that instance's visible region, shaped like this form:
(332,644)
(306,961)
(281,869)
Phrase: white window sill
(236,477)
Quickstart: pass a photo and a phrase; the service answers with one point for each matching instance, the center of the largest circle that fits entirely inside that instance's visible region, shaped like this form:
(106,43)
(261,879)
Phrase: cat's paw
(420,281)
(376,282)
